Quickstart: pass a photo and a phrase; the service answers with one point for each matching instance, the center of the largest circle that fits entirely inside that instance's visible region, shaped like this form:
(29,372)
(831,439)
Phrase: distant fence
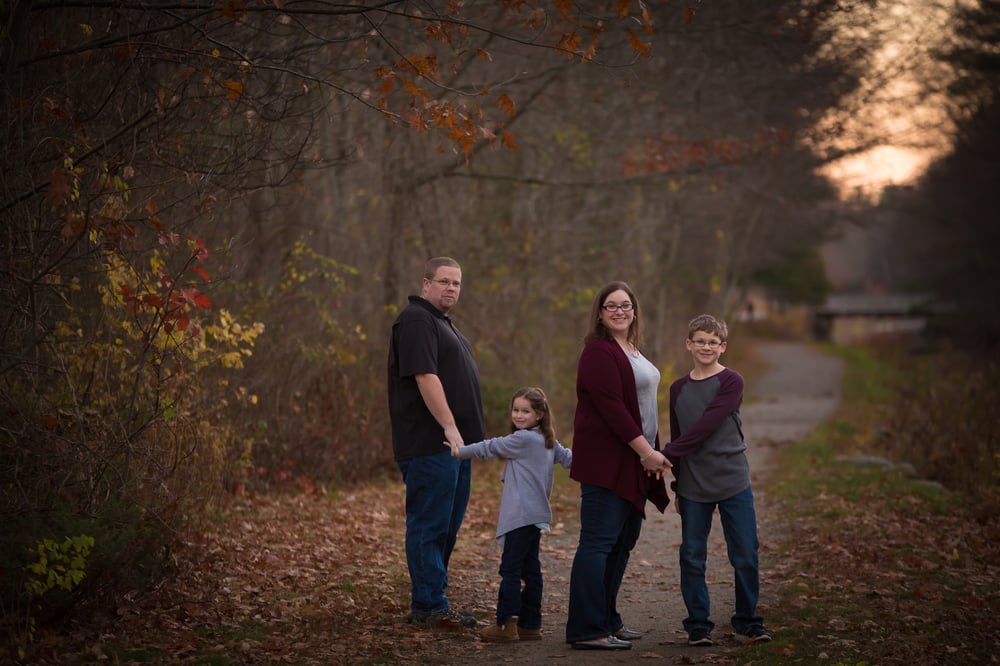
(853,318)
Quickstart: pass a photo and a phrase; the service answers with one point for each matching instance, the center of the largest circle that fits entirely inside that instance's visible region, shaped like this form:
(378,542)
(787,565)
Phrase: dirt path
(798,392)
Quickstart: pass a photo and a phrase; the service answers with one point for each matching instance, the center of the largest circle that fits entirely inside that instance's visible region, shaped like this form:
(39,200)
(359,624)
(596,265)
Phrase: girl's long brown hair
(536,398)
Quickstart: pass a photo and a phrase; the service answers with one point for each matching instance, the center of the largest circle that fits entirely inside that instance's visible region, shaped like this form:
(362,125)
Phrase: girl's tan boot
(500,633)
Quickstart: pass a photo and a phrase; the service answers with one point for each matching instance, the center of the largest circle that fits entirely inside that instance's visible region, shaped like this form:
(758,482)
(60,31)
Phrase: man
(434,396)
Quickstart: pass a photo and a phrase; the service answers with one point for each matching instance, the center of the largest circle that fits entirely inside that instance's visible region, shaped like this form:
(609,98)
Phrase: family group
(438,426)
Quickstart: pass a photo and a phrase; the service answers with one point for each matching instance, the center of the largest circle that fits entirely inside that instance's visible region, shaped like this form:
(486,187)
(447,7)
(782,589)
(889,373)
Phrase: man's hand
(453,436)
(453,447)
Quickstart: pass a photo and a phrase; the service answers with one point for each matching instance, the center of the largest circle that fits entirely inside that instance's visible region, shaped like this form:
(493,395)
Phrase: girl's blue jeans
(520,562)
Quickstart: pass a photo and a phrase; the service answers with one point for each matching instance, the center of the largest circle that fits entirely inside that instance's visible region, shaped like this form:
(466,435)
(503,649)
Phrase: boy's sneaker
(446,620)
(700,637)
(756,633)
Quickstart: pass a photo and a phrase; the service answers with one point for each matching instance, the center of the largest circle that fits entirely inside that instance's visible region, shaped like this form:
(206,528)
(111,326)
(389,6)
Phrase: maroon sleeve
(725,402)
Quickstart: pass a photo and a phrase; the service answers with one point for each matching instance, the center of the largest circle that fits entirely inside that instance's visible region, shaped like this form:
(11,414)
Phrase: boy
(711,470)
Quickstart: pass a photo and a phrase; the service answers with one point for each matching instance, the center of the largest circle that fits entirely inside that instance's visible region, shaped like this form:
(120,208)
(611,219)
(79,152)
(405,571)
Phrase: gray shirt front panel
(647,384)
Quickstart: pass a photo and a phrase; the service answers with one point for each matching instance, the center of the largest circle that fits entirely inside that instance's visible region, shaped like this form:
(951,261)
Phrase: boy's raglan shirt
(706,440)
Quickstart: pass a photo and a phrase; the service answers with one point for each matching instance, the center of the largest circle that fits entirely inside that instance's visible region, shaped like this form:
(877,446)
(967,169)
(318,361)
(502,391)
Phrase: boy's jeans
(739,524)
(437,494)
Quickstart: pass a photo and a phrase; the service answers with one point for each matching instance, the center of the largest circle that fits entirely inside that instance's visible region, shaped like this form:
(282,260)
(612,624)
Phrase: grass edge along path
(872,566)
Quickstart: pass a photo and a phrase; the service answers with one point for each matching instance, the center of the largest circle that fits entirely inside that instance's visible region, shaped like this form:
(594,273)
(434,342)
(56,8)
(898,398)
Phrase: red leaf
(200,252)
(58,188)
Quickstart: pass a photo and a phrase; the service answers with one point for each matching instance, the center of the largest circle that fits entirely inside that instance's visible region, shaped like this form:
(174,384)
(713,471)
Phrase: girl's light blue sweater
(527,477)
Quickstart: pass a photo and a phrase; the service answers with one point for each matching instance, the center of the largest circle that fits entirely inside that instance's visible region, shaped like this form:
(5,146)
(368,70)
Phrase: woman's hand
(656,463)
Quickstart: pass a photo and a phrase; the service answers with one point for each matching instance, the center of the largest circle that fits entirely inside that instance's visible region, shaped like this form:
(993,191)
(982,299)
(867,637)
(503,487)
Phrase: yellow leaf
(87,30)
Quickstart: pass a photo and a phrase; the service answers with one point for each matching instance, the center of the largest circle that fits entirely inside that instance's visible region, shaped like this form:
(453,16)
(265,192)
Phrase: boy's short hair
(708,324)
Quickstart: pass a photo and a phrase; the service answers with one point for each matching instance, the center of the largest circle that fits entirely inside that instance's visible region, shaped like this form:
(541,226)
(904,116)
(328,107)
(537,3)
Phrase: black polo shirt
(425,341)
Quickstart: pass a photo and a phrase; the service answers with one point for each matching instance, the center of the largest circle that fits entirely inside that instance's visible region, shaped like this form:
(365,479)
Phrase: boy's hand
(453,447)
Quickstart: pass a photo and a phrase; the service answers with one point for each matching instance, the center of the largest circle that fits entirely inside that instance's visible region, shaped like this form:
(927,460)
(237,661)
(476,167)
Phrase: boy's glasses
(711,344)
(611,307)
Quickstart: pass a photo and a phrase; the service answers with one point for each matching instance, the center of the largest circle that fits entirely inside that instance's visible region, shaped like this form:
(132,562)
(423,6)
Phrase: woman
(617,463)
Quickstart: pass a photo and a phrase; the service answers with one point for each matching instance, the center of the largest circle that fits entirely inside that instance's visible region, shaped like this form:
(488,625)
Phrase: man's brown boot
(500,633)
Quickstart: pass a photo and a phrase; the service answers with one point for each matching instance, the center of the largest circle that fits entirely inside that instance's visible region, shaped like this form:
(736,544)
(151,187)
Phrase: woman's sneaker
(700,637)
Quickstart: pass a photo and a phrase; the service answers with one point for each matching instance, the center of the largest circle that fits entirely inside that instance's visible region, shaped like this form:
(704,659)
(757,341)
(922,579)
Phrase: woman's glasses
(612,307)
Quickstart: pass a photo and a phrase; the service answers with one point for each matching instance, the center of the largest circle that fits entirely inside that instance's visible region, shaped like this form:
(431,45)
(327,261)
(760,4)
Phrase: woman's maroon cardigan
(607,419)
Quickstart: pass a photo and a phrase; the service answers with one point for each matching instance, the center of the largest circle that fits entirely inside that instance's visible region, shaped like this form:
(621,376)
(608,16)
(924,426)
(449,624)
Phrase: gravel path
(799,391)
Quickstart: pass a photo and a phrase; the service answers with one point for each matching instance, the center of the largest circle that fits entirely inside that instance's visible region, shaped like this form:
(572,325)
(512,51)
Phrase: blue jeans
(520,562)
(609,528)
(739,525)
(437,494)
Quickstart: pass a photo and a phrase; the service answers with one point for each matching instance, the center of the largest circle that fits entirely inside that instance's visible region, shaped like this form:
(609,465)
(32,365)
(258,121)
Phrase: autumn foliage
(211,213)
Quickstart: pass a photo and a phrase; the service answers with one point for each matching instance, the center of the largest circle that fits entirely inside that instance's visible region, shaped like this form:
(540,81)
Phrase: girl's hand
(453,447)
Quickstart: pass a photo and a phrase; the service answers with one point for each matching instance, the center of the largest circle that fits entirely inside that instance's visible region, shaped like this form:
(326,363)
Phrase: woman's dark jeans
(609,528)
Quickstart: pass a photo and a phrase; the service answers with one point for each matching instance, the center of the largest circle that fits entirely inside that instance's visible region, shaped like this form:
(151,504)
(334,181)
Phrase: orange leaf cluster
(234,89)
(673,153)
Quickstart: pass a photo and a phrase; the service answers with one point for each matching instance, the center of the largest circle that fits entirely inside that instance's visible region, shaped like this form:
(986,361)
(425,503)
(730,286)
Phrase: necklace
(628,348)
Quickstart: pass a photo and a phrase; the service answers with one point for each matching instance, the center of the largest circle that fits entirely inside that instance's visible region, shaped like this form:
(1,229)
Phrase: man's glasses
(446,283)
(711,344)
(611,307)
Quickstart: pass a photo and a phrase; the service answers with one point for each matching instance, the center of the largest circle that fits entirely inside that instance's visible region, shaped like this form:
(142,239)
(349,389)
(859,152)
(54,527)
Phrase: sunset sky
(898,117)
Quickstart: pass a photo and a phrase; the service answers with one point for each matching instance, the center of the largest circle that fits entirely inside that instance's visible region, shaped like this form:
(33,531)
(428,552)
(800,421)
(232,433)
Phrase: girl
(531,451)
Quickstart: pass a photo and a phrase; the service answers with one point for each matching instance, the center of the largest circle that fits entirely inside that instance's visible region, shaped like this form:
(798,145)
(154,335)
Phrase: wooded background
(213,211)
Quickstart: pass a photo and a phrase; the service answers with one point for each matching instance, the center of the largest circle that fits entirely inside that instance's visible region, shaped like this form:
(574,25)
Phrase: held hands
(453,436)
(453,439)
(656,463)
